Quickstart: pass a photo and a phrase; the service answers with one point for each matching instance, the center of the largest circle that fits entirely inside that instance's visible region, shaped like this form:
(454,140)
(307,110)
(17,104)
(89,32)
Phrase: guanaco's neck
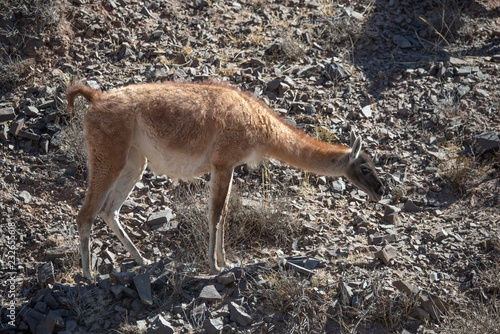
(297,149)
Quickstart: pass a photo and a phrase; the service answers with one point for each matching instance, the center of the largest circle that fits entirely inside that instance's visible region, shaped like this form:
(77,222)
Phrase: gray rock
(29,135)
(486,141)
(160,326)
(226,278)
(58,252)
(441,235)
(379,239)
(143,286)
(391,214)
(122,278)
(462,90)
(46,274)
(338,186)
(402,42)
(239,315)
(212,326)
(51,322)
(7,114)
(410,206)
(406,287)
(117,291)
(274,84)
(386,254)
(346,294)
(335,72)
(209,293)
(25,197)
(31,111)
(160,217)
(457,62)
(367,111)
(463,71)
(16,127)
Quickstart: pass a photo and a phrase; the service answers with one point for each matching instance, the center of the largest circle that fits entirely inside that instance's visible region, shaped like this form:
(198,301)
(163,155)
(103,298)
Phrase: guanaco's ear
(355,145)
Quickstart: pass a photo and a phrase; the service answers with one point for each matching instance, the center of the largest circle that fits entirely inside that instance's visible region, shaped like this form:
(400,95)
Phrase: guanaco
(184,130)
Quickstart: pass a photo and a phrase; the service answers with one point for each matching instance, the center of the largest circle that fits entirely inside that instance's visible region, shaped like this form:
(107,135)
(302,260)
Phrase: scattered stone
(210,293)
(122,278)
(367,111)
(386,254)
(226,278)
(379,239)
(25,196)
(457,62)
(410,206)
(335,72)
(31,111)
(160,217)
(346,294)
(143,286)
(486,141)
(402,42)
(212,326)
(441,235)
(58,252)
(391,214)
(46,274)
(406,287)
(16,126)
(160,326)
(239,315)
(7,114)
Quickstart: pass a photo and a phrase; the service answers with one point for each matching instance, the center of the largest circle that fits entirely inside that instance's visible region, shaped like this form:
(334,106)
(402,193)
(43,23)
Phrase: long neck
(296,148)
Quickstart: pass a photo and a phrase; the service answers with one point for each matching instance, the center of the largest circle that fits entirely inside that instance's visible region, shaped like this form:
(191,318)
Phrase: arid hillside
(417,80)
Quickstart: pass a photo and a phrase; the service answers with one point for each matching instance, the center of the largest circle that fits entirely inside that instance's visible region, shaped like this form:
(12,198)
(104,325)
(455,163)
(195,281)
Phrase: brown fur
(184,130)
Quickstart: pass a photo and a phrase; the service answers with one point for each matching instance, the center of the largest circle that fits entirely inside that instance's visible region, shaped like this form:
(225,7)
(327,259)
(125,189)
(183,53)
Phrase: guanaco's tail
(88,93)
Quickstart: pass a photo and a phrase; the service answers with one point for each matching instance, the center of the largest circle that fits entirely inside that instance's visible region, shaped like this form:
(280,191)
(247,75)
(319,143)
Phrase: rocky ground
(418,80)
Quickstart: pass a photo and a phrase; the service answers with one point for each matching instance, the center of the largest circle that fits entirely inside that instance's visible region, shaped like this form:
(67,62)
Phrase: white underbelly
(178,165)
(173,163)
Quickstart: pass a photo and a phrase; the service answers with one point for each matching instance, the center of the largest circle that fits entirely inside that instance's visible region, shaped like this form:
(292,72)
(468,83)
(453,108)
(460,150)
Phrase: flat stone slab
(210,293)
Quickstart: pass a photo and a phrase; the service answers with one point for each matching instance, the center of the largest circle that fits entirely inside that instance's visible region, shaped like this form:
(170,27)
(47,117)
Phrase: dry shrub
(296,297)
(87,303)
(489,277)
(393,310)
(15,71)
(292,48)
(339,31)
(325,135)
(461,170)
(249,223)
(477,317)
(30,16)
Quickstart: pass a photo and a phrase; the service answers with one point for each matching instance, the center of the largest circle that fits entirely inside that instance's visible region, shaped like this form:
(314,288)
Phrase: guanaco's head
(361,170)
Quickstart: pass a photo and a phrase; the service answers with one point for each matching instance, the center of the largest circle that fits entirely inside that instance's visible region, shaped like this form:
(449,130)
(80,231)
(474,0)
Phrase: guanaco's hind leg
(122,187)
(108,142)
(220,187)
(100,182)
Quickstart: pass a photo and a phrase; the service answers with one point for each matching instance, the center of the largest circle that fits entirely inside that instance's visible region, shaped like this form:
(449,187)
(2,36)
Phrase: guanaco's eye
(366,170)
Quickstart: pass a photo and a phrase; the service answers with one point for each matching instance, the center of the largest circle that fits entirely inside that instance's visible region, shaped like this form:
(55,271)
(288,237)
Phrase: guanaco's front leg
(220,186)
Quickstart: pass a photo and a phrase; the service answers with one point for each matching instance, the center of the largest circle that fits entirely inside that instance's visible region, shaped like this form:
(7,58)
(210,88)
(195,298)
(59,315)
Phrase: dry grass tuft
(461,170)
(249,224)
(292,47)
(15,71)
(477,317)
(87,304)
(295,296)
